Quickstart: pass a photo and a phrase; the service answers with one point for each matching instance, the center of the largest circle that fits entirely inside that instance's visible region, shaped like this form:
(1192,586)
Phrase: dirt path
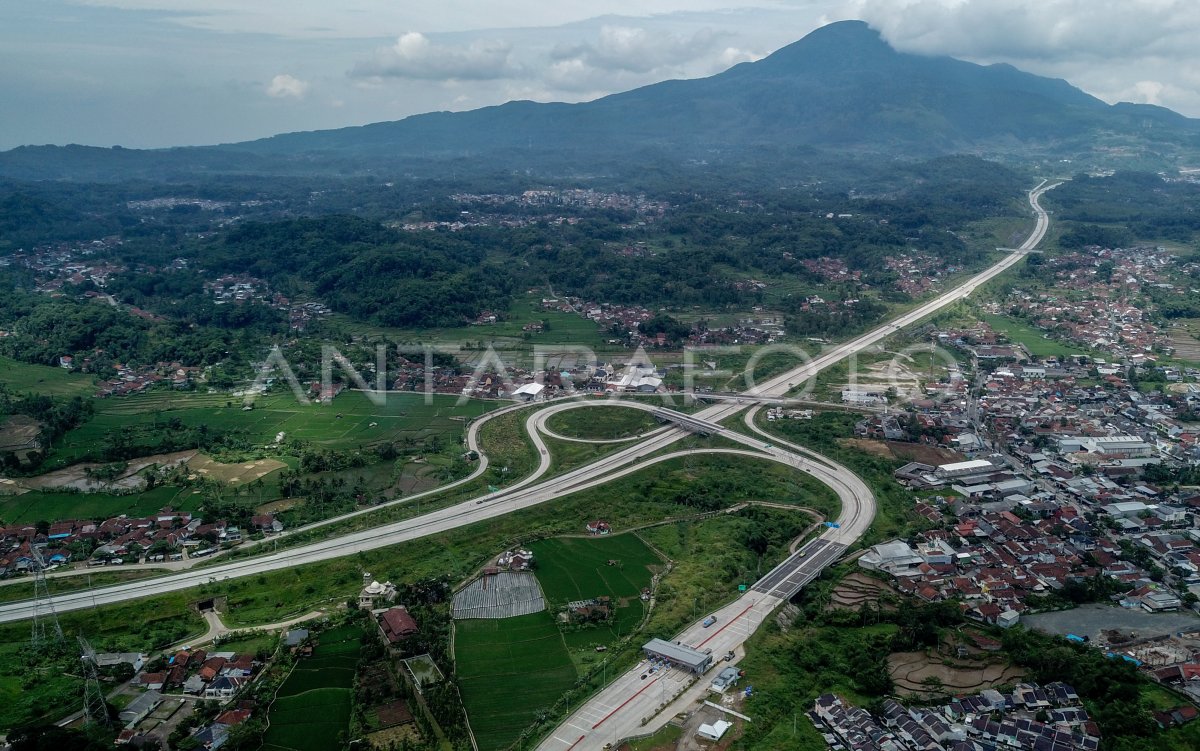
(217,629)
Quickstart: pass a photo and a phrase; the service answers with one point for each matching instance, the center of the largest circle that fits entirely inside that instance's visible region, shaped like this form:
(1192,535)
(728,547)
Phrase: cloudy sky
(149,73)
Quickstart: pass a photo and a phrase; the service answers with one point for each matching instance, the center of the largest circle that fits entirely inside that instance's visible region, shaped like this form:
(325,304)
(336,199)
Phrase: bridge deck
(806,564)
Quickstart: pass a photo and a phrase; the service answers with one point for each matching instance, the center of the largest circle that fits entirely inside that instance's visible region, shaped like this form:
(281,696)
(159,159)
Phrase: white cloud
(364,19)
(731,56)
(1146,92)
(284,86)
(414,56)
(636,50)
(619,57)
(1034,29)
(1118,50)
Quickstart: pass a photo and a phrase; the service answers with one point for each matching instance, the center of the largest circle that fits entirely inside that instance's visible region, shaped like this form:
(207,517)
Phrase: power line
(46,629)
(95,708)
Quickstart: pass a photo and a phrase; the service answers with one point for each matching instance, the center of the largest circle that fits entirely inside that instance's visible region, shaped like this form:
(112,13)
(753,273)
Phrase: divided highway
(637,703)
(506,501)
(620,709)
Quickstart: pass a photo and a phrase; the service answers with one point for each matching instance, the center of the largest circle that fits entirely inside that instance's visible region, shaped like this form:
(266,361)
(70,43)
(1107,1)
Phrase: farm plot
(233,474)
(925,674)
(352,420)
(1038,343)
(311,711)
(22,377)
(424,671)
(582,568)
(492,656)
(502,595)
(576,568)
(37,505)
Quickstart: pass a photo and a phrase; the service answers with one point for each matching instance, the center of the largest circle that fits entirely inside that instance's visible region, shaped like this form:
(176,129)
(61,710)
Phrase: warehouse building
(678,655)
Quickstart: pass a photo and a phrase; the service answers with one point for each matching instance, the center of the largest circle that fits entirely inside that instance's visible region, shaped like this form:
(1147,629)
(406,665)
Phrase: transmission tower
(45,621)
(95,710)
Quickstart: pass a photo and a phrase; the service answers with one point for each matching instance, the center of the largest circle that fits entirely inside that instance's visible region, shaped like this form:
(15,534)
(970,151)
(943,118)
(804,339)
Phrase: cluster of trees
(327,460)
(674,329)
(56,416)
(367,270)
(181,296)
(165,435)
(45,328)
(1111,687)
(697,255)
(833,321)
(1164,474)
(1082,235)
(766,531)
(1130,205)
(323,496)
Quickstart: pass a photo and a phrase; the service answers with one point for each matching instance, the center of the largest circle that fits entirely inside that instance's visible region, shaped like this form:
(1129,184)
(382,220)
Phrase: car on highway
(710,621)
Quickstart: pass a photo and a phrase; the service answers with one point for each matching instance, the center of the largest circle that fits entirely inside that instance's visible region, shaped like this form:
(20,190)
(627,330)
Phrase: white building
(529,392)
(373,594)
(895,558)
(714,731)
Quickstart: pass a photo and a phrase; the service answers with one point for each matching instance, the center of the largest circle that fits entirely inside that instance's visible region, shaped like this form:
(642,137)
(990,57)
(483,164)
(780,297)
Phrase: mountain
(841,88)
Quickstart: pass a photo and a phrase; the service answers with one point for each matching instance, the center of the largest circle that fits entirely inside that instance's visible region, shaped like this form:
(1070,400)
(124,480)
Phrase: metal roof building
(965,469)
(678,655)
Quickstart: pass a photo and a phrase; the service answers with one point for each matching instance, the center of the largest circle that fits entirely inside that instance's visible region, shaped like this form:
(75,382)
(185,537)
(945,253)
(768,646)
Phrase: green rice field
(1034,340)
(36,506)
(350,421)
(311,711)
(22,377)
(576,568)
(494,658)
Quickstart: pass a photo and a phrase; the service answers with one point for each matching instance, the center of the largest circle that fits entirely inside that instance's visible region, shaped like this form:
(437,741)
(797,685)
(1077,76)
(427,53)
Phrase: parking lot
(1093,620)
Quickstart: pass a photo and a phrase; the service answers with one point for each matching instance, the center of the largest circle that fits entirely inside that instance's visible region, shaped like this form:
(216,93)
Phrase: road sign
(833,525)
(742,587)
(492,488)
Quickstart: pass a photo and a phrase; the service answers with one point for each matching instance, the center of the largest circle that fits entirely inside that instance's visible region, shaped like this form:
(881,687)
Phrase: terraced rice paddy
(311,711)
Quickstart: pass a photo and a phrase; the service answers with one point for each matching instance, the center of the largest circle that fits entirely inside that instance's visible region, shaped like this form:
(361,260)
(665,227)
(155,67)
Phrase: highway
(619,709)
(628,706)
(510,499)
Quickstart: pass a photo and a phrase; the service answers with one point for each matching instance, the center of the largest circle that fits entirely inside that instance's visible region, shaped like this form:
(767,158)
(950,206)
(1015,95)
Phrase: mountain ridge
(841,87)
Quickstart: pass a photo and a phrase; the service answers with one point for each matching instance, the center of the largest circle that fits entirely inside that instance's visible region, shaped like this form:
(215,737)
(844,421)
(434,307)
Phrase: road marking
(728,623)
(622,704)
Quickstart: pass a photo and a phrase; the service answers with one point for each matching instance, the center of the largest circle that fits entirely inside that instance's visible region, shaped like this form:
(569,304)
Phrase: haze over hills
(841,88)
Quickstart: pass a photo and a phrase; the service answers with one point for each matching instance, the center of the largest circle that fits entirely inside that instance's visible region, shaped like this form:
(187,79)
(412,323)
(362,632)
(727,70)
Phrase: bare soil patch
(856,590)
(275,507)
(909,452)
(910,670)
(870,446)
(917,452)
(233,474)
(76,475)
(393,736)
(393,713)
(19,433)
(1187,347)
